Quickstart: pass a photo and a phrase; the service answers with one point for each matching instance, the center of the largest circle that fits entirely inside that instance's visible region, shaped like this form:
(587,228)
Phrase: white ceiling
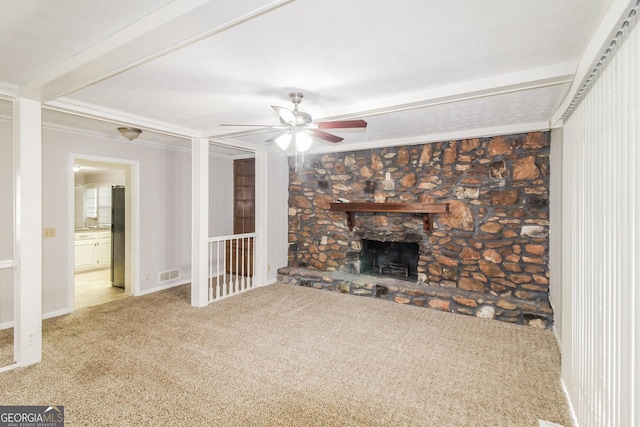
(416,70)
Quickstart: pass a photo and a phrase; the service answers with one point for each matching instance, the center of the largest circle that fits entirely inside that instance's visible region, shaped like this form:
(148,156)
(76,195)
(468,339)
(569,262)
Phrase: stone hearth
(487,257)
(486,306)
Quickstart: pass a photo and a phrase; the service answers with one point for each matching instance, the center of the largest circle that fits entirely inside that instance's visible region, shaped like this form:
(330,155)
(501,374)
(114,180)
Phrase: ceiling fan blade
(342,124)
(276,136)
(326,136)
(285,114)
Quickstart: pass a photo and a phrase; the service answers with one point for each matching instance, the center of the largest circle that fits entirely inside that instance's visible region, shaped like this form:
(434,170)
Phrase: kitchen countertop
(106,228)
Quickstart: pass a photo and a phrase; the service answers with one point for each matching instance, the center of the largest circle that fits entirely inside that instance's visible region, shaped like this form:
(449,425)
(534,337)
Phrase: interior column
(199,221)
(27,137)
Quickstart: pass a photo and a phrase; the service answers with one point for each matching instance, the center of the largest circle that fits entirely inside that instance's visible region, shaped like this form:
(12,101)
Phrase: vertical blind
(601,243)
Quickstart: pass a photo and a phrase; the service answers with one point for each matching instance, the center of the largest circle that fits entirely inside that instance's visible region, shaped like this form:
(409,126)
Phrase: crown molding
(8,90)
(87,133)
(97,112)
(4,118)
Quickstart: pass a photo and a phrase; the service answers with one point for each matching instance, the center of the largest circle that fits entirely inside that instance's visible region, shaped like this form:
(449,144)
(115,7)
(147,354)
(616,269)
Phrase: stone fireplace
(486,257)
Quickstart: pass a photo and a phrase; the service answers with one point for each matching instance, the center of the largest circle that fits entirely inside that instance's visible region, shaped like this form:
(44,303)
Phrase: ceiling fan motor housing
(296,97)
(300,118)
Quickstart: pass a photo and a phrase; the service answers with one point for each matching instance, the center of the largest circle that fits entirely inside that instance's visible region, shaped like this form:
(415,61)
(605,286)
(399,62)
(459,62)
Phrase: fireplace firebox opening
(395,259)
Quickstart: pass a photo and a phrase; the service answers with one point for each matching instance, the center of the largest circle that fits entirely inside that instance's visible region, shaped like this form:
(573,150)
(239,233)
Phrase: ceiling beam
(482,88)
(172,27)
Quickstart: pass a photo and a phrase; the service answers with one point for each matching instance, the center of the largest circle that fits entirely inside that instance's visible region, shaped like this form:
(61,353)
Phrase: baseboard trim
(9,367)
(566,395)
(555,334)
(162,288)
(6,325)
(47,315)
(56,313)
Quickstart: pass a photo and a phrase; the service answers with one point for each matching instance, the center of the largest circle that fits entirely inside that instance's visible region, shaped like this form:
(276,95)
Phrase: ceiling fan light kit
(303,141)
(283,140)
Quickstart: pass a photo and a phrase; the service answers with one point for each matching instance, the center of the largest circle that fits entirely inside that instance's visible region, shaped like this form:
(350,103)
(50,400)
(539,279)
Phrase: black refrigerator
(117,236)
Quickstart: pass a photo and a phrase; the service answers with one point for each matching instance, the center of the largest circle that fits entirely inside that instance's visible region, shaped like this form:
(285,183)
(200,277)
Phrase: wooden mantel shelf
(426,209)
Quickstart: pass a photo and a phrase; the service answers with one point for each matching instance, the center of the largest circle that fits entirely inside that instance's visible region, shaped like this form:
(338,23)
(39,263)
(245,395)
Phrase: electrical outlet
(31,338)
(145,276)
(49,232)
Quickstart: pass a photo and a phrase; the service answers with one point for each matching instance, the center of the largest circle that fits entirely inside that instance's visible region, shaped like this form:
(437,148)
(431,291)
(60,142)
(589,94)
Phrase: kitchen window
(91,201)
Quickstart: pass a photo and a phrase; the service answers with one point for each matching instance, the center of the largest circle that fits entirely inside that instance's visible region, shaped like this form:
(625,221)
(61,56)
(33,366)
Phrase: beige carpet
(290,356)
(6,349)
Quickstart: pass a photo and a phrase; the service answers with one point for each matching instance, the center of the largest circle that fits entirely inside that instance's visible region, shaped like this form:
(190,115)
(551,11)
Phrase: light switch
(49,232)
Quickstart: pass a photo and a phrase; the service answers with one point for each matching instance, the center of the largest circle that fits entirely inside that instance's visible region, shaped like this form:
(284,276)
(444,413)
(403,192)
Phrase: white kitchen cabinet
(92,250)
(104,249)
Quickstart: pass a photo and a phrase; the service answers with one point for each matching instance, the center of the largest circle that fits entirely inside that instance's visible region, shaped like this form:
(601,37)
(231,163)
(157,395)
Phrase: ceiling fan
(299,127)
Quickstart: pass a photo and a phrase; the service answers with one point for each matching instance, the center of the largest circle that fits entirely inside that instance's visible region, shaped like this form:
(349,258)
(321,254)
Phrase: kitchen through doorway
(99,232)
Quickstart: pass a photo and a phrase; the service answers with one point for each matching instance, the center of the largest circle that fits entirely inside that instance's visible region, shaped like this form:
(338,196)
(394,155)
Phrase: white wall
(164,200)
(220,196)
(277,198)
(6,219)
(111,178)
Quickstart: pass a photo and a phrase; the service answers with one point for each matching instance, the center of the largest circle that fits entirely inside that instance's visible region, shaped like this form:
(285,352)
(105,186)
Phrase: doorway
(95,250)
(244,196)
(239,259)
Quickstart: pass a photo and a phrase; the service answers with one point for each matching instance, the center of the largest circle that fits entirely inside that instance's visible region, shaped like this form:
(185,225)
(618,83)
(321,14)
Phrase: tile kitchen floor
(94,287)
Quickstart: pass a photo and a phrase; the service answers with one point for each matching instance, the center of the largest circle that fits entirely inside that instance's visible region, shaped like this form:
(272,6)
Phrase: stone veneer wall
(488,257)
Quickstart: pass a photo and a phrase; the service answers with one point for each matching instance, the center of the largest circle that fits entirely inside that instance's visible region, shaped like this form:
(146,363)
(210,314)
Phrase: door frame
(132,221)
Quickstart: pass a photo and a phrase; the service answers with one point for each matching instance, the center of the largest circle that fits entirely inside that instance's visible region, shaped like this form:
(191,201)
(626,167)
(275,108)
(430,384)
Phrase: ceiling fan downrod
(298,119)
(296,98)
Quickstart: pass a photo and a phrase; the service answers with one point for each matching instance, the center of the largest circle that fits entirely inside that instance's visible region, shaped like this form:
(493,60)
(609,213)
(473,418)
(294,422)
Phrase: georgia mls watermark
(31,416)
